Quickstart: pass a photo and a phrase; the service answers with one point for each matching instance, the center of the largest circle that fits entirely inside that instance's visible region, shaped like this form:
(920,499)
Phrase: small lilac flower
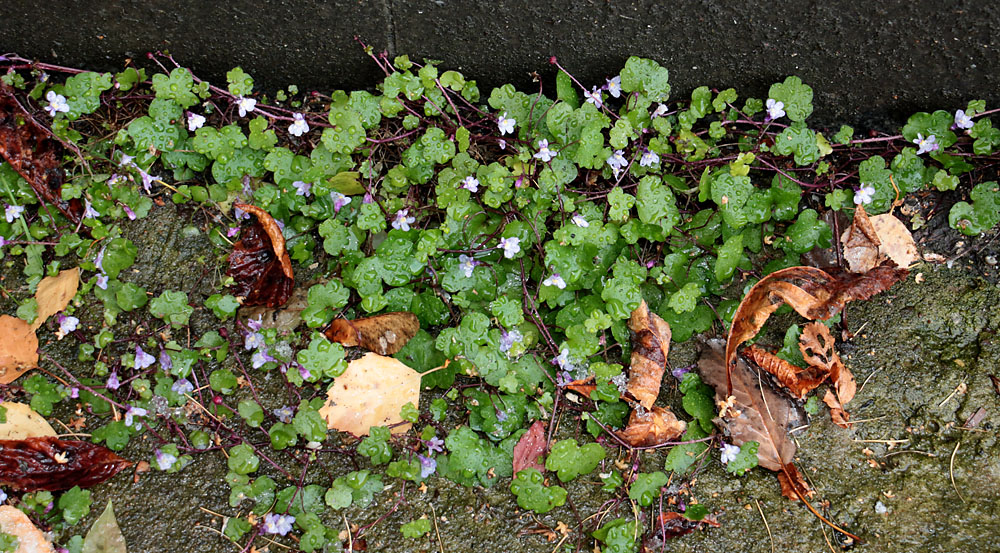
(648,159)
(125,160)
(256,323)
(304,373)
(508,339)
(128,212)
(147,180)
(501,415)
(660,111)
(195,121)
(182,386)
(67,324)
(3,241)
(142,359)
(864,194)
(164,460)
(339,200)
(511,246)
(401,221)
(57,103)
(594,97)
(3,496)
(99,260)
(113,382)
(563,379)
(245,105)
(580,221)
(88,210)
(467,265)
(729,452)
(617,162)
(278,524)
(133,412)
(925,145)
(506,124)
(115,178)
(259,358)
(12,212)
(299,126)
(166,363)
(470,183)
(434,444)
(74,392)
(680,372)
(253,340)
(563,359)
(502,143)
(614,86)
(775,108)
(232,231)
(302,188)
(555,280)
(544,153)
(962,120)
(102,281)
(427,466)
(284,414)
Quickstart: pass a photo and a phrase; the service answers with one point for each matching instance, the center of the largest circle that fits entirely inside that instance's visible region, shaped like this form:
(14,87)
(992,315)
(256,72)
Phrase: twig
(766,525)
(436,530)
(951,471)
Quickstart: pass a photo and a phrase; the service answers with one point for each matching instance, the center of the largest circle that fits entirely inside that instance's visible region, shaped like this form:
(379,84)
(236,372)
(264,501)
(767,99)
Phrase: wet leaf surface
(371,392)
(799,381)
(860,243)
(48,463)
(18,348)
(30,539)
(652,427)
(259,262)
(105,536)
(650,346)
(527,450)
(23,422)
(384,334)
(54,294)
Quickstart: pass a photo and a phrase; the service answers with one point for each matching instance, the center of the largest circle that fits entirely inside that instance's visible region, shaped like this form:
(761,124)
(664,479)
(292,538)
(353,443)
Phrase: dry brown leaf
(652,427)
(283,319)
(18,348)
(839,416)
(55,293)
(897,242)
(30,539)
(23,422)
(274,233)
(817,347)
(527,450)
(650,345)
(259,263)
(384,334)
(583,387)
(793,486)
(371,392)
(860,243)
(799,381)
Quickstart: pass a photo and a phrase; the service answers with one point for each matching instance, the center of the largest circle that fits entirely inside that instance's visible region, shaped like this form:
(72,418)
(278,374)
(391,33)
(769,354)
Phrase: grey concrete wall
(870,62)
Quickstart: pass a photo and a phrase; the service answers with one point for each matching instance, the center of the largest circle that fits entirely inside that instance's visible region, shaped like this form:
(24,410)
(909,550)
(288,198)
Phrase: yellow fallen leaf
(897,242)
(23,422)
(30,539)
(371,392)
(55,293)
(18,348)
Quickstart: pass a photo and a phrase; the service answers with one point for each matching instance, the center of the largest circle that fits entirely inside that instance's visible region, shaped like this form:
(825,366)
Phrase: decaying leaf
(18,348)
(839,416)
(799,381)
(284,319)
(31,151)
(652,427)
(384,334)
(531,445)
(105,536)
(813,293)
(650,345)
(259,262)
(23,422)
(48,463)
(817,347)
(670,525)
(55,293)
(793,486)
(860,243)
(897,241)
(371,392)
(30,539)
(583,386)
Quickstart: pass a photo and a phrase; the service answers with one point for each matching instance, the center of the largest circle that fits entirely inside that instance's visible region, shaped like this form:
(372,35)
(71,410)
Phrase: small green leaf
(796,96)
(105,536)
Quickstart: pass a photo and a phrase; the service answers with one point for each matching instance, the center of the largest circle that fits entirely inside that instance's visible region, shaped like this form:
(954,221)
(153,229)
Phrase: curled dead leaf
(371,392)
(18,348)
(799,381)
(670,525)
(23,422)
(652,427)
(793,486)
(30,539)
(583,386)
(897,241)
(817,346)
(529,448)
(650,346)
(259,263)
(839,416)
(54,294)
(384,334)
(860,243)
(48,463)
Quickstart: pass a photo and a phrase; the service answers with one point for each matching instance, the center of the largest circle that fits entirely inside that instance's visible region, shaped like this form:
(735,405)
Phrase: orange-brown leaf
(799,381)
(259,263)
(861,243)
(839,416)
(18,348)
(652,427)
(54,294)
(650,345)
(274,233)
(793,486)
(529,448)
(817,347)
(583,387)
(384,334)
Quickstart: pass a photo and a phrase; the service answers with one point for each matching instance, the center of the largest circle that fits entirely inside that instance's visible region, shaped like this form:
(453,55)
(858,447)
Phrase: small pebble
(880,508)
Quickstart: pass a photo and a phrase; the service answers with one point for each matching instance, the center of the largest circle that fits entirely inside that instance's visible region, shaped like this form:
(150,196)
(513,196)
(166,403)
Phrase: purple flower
(195,121)
(427,466)
(434,444)
(182,386)
(3,241)
(614,86)
(508,339)
(133,412)
(466,264)
(506,124)
(401,221)
(240,214)
(256,324)
(775,108)
(339,200)
(129,212)
(925,145)
(728,452)
(511,246)
(299,126)
(259,358)
(147,180)
(12,212)
(88,210)
(99,260)
(3,496)
(544,153)
(617,162)
(864,194)
(470,183)
(302,188)
(563,360)
(165,361)
(57,103)
(102,281)
(594,97)
(74,392)
(142,359)
(962,120)
(563,379)
(304,373)
(232,231)
(680,372)
(555,280)
(648,159)
(253,340)
(501,415)
(278,524)
(164,460)
(67,324)
(284,414)
(113,382)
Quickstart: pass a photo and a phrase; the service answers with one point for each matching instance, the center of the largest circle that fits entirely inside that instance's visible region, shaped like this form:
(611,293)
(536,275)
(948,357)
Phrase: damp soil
(912,474)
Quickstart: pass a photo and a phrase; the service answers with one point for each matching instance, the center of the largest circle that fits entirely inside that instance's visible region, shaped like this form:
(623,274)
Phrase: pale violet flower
(3,496)
(113,382)
(88,210)
(142,359)
(147,179)
(544,153)
(278,524)
(253,340)
(195,121)
(67,324)
(864,194)
(466,264)
(427,466)
(962,120)
(470,183)
(166,363)
(57,103)
(925,145)
(402,221)
(133,412)
(245,105)
(511,246)
(563,379)
(617,161)
(182,386)
(508,339)
(126,160)
(506,124)
(339,200)
(284,414)
(102,281)
(594,97)
(299,126)
(502,143)
(729,452)
(660,111)
(580,221)
(164,460)
(302,188)
(434,444)
(555,280)
(563,359)
(128,212)
(12,212)
(648,159)
(304,372)
(775,108)
(259,358)
(614,86)
(255,323)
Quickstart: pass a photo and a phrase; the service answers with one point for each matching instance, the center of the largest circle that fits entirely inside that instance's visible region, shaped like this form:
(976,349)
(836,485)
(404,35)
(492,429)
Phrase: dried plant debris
(51,464)
(384,334)
(860,243)
(371,392)
(259,262)
(529,448)
(652,427)
(650,346)
(18,348)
